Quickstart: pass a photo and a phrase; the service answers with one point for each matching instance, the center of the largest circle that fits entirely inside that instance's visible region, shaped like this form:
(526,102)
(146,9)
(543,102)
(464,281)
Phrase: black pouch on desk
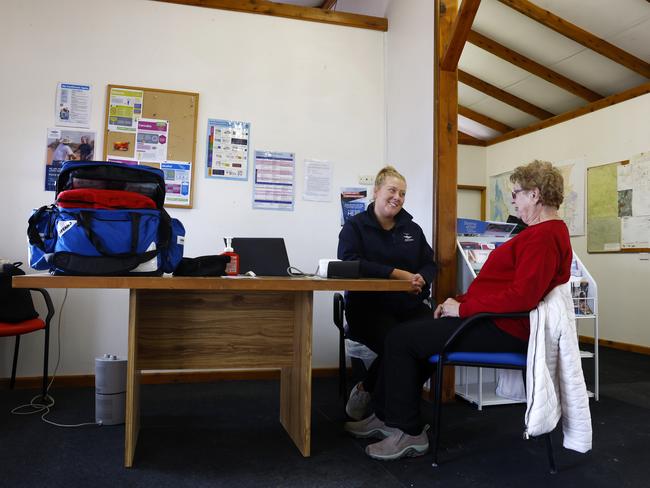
(343,269)
(16,304)
(213,265)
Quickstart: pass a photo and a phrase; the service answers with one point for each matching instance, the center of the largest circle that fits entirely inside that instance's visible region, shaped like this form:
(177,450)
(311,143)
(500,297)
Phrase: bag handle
(32,232)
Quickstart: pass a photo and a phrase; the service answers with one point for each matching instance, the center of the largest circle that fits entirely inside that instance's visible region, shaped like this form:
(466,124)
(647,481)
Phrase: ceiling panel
(474,129)
(468,96)
(603,18)
(490,68)
(546,95)
(503,112)
(599,73)
(636,40)
(521,34)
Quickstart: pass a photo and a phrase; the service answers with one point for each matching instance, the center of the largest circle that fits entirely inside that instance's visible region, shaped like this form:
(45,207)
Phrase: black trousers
(370,326)
(397,393)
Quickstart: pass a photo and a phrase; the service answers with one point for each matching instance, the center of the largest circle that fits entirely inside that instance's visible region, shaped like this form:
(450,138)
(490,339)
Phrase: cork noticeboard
(126,104)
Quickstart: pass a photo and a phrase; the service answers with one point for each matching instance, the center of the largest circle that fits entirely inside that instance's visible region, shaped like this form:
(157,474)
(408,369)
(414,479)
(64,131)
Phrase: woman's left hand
(450,308)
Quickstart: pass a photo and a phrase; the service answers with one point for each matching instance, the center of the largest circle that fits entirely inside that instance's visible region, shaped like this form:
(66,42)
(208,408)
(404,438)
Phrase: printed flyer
(273,188)
(227,151)
(72,105)
(124,109)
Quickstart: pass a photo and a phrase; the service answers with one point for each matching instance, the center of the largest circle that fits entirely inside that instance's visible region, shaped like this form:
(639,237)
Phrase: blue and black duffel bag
(108,220)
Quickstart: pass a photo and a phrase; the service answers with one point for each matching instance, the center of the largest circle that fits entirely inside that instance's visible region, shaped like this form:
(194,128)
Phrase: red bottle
(232,268)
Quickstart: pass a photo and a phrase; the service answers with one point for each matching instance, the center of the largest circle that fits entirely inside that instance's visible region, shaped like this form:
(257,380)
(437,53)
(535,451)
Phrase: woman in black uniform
(388,244)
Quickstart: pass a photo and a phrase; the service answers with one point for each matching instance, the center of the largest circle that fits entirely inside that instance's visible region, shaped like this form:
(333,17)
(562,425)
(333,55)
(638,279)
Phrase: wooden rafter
(484,120)
(533,67)
(310,14)
(503,96)
(459,31)
(572,31)
(328,4)
(464,138)
(445,168)
(592,107)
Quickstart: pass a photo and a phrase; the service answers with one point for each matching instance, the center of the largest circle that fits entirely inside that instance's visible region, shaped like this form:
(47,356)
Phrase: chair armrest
(339,308)
(469,321)
(48,303)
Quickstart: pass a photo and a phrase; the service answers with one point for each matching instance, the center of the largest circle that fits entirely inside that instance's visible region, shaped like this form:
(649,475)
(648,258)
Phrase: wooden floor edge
(621,346)
(168,377)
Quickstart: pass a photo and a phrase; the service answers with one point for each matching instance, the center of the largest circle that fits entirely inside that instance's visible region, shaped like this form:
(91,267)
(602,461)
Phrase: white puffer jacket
(555,384)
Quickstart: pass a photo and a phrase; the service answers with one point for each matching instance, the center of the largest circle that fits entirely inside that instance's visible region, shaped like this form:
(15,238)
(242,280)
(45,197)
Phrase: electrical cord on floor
(48,402)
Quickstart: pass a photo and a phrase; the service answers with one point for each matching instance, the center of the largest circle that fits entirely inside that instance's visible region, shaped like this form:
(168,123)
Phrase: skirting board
(157,378)
(623,346)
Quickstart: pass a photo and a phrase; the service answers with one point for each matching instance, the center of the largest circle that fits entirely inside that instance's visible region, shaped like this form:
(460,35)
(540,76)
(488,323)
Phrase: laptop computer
(264,256)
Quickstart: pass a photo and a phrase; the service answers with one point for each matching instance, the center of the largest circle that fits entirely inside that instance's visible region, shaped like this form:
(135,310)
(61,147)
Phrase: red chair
(8,329)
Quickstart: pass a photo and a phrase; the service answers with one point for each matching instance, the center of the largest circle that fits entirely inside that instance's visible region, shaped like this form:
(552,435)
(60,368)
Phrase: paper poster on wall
(177,182)
(572,210)
(124,109)
(64,145)
(354,200)
(227,149)
(273,185)
(151,140)
(318,181)
(72,105)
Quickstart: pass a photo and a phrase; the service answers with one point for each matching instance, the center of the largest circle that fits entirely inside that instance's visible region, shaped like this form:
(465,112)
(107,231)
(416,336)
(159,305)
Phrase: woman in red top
(515,278)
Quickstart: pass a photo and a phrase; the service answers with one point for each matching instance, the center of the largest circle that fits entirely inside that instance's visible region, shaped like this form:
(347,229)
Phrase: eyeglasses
(514,192)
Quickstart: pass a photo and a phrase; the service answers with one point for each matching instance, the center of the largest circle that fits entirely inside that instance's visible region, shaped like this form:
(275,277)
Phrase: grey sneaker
(399,444)
(370,427)
(358,406)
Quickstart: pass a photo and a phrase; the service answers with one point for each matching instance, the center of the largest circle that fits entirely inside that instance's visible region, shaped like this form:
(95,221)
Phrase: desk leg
(295,380)
(132,427)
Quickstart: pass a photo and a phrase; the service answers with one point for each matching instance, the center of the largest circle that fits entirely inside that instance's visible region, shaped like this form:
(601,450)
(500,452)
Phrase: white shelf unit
(585,305)
(471,384)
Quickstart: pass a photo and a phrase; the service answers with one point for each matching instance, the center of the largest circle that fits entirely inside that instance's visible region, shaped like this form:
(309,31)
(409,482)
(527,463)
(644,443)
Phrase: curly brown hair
(543,176)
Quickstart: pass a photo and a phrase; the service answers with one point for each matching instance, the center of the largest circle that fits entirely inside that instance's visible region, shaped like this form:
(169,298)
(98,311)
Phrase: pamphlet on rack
(479,238)
(481,228)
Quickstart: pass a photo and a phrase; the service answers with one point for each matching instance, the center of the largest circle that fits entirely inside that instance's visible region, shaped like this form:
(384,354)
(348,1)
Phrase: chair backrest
(16,304)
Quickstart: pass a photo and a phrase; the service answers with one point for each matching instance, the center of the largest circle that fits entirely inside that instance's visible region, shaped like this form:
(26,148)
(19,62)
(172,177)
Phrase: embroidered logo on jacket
(407,237)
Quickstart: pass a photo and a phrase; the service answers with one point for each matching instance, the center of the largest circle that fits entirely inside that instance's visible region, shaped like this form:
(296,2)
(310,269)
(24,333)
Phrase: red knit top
(519,273)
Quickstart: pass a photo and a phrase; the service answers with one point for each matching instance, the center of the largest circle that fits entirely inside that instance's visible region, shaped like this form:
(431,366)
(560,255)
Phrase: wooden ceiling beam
(533,67)
(459,31)
(466,139)
(484,120)
(328,4)
(579,35)
(503,96)
(310,14)
(592,107)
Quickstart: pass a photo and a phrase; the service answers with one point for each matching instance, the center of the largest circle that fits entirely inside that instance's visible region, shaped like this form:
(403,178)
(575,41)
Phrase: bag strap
(32,232)
(84,221)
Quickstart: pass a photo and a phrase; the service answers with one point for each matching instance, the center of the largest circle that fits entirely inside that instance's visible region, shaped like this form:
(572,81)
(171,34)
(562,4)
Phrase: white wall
(409,103)
(309,88)
(605,136)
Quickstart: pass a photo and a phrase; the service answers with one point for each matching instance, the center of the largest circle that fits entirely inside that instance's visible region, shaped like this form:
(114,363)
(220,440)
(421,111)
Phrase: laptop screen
(265,256)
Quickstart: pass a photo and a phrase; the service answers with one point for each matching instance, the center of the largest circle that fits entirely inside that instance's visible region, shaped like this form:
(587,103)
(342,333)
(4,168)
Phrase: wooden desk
(220,323)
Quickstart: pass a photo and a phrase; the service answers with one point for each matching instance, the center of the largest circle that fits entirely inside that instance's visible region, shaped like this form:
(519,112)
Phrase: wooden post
(445,172)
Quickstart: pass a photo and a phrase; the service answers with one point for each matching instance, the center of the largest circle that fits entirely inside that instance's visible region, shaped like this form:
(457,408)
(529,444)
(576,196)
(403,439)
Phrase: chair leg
(12,383)
(437,405)
(343,384)
(549,452)
(46,357)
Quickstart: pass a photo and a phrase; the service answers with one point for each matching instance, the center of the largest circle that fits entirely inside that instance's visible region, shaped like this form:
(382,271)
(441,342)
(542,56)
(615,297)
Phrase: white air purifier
(110,389)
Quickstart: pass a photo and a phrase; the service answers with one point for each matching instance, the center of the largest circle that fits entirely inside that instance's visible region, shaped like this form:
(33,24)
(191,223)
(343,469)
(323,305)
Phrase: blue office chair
(477,359)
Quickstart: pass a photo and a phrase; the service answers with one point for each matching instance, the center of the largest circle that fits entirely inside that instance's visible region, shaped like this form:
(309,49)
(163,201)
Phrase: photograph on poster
(66,145)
